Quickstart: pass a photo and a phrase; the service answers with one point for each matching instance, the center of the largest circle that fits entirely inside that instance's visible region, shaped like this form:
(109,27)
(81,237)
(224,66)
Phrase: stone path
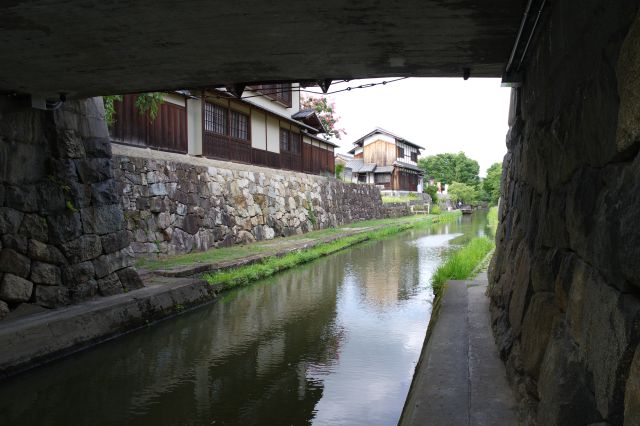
(460,379)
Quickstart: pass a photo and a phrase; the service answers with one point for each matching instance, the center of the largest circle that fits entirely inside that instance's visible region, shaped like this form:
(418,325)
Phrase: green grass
(239,251)
(270,265)
(461,263)
(400,199)
(492,219)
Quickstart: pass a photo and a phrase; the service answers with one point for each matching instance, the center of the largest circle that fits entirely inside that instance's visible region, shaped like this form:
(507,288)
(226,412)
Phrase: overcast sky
(441,114)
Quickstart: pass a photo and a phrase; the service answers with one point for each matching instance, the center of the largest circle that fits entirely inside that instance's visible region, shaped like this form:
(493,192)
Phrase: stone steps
(460,379)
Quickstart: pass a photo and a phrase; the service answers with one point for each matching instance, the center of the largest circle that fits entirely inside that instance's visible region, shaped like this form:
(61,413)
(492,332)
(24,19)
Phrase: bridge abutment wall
(62,236)
(565,279)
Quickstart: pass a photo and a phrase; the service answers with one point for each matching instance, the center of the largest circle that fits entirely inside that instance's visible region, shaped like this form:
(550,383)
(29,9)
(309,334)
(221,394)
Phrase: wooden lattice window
(400,152)
(414,157)
(284,140)
(215,118)
(239,126)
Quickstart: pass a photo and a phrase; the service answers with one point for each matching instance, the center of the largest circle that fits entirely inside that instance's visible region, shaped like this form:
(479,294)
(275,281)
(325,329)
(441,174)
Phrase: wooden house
(386,160)
(265,127)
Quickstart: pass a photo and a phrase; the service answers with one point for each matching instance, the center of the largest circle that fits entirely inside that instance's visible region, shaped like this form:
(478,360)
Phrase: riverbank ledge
(459,378)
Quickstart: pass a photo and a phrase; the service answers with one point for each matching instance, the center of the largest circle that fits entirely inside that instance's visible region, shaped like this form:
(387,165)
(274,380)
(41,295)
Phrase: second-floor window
(400,152)
(414,157)
(215,118)
(223,121)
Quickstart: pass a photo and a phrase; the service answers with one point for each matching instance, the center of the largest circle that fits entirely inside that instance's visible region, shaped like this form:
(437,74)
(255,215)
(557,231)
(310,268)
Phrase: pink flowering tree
(327,113)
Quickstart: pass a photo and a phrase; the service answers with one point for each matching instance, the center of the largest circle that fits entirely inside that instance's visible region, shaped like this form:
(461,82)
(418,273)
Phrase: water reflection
(333,342)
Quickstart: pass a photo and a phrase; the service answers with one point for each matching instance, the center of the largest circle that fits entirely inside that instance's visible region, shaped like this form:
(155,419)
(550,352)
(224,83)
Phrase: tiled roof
(367,167)
(384,169)
(407,166)
(354,164)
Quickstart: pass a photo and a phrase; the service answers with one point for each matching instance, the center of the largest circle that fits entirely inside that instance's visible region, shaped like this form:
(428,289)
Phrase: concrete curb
(36,339)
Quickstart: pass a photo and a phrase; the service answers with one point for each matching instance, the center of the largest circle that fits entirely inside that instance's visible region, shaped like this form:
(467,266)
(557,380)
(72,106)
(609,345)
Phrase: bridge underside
(94,48)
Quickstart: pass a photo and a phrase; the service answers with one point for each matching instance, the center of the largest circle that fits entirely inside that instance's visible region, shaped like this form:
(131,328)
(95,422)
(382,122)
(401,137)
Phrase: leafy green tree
(339,171)
(448,168)
(327,113)
(491,184)
(464,193)
(432,191)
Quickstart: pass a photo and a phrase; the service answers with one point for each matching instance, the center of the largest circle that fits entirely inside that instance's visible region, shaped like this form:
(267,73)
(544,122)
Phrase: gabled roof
(388,133)
(309,117)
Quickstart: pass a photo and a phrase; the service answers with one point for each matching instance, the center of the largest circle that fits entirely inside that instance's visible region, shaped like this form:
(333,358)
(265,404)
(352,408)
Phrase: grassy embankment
(271,265)
(224,254)
(464,262)
(461,263)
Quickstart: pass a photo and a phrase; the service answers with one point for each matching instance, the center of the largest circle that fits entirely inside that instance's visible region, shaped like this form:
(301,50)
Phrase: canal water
(333,342)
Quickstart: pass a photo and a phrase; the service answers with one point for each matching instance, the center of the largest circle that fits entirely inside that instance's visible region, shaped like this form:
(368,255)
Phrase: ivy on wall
(147,104)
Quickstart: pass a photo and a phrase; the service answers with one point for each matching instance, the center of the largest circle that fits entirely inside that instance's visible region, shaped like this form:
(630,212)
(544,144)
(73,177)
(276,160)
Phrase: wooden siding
(404,181)
(278,92)
(224,147)
(168,132)
(380,152)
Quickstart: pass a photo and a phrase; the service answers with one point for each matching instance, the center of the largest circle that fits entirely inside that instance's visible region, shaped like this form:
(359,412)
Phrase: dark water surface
(332,342)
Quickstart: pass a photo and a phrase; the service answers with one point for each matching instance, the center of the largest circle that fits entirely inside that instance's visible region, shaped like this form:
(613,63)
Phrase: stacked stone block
(62,238)
(565,279)
(173,207)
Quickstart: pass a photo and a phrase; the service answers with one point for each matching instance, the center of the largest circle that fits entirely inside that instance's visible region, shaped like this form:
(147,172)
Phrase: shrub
(435,209)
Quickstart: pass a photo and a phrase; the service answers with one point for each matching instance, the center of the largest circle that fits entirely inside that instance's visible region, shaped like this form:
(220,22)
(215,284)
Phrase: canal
(331,342)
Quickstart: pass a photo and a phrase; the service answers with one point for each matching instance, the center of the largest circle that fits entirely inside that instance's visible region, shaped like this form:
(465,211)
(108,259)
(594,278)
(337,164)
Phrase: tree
(432,191)
(491,183)
(327,113)
(448,168)
(462,192)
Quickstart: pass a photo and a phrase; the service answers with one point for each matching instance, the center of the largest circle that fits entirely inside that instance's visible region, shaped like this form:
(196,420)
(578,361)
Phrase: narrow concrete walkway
(460,379)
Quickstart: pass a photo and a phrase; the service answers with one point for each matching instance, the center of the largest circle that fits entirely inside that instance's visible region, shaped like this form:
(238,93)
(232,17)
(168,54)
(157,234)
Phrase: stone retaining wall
(186,204)
(61,224)
(565,279)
